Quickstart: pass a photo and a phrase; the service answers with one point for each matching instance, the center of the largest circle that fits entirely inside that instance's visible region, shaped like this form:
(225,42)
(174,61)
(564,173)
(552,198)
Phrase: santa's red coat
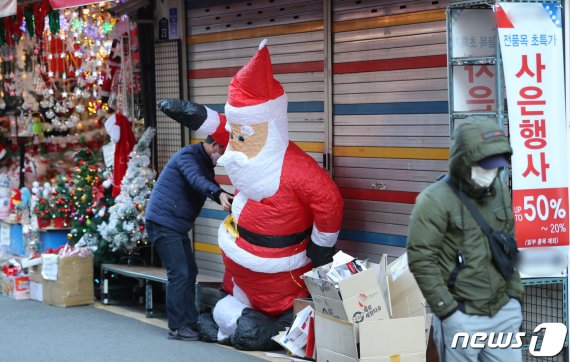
(122,150)
(268,258)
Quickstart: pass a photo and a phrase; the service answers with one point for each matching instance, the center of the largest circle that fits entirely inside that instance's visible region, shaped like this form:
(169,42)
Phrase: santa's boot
(254,331)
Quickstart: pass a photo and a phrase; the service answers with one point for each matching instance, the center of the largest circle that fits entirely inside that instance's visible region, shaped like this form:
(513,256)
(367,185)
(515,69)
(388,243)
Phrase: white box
(36,291)
(354,299)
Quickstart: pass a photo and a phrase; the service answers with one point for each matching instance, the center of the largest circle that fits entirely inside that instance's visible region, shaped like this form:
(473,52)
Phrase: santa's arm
(327,204)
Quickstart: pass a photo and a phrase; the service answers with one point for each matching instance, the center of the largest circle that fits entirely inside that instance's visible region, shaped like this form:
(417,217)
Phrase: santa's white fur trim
(211,123)
(226,313)
(112,128)
(323,239)
(269,111)
(237,205)
(256,263)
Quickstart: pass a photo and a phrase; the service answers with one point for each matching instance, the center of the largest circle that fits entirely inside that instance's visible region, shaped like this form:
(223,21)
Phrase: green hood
(476,139)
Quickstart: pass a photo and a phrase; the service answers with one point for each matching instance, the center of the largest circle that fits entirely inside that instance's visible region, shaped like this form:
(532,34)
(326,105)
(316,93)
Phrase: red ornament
(141,228)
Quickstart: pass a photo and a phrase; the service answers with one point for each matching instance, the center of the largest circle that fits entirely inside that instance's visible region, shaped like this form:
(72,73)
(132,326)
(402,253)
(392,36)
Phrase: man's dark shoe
(184,334)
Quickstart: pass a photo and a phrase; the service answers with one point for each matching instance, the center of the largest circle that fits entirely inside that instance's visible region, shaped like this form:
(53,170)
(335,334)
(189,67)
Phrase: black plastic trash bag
(254,330)
(207,328)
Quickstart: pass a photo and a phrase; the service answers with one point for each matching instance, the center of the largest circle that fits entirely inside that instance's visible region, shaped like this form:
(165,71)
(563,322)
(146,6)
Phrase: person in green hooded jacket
(449,254)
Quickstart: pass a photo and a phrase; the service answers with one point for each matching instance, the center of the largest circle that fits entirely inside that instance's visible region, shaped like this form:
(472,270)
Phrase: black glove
(320,255)
(188,114)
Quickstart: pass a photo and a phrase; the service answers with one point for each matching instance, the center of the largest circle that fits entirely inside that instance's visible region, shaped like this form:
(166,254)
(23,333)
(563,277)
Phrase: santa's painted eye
(241,139)
(232,135)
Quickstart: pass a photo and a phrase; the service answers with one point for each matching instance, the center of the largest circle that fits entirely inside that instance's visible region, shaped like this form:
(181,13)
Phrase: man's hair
(209,140)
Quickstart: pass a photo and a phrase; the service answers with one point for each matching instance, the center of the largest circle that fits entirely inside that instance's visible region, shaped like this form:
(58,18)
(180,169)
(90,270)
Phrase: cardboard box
(16,287)
(300,303)
(36,283)
(36,291)
(406,298)
(370,340)
(4,285)
(355,299)
(403,338)
(296,338)
(74,280)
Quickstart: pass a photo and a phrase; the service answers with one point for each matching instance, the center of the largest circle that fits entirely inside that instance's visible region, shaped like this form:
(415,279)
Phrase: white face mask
(482,177)
(215,157)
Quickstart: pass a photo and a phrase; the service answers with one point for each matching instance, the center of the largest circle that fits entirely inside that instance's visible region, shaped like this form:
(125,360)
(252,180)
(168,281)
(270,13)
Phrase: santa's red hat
(254,93)
(198,118)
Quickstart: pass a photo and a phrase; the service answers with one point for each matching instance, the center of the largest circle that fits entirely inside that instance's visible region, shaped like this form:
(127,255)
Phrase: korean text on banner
(7,8)
(530,36)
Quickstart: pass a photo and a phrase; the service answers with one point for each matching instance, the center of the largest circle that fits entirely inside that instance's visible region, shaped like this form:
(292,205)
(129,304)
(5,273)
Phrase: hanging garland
(29,16)
(2,34)
(54,22)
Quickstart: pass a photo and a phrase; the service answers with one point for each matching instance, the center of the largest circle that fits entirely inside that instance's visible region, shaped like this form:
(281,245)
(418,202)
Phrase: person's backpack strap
(487,229)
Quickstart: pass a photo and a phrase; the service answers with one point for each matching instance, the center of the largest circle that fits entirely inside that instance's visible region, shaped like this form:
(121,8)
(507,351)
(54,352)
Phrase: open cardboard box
(355,299)
(402,338)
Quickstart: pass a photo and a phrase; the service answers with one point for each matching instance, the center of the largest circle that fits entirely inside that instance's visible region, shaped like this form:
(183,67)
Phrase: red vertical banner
(530,36)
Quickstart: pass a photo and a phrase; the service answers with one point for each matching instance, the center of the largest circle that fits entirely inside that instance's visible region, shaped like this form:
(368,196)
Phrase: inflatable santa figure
(286,214)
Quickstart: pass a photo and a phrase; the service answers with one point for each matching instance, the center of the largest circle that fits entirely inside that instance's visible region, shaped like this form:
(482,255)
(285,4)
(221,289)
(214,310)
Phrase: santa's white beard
(257,177)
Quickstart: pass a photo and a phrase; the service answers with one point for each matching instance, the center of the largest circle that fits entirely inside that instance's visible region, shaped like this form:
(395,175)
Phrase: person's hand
(226,201)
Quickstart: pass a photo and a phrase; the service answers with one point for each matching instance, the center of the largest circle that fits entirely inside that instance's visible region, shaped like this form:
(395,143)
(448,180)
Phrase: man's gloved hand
(187,113)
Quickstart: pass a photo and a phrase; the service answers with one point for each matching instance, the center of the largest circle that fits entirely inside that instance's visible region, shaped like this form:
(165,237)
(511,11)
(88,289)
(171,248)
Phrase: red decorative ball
(141,228)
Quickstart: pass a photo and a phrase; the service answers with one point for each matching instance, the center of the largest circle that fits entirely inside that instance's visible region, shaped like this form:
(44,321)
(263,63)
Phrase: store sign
(163,29)
(62,4)
(7,8)
(173,14)
(473,33)
(474,88)
(530,36)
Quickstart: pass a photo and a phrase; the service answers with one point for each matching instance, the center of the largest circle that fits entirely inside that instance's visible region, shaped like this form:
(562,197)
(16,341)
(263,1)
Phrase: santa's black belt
(280,241)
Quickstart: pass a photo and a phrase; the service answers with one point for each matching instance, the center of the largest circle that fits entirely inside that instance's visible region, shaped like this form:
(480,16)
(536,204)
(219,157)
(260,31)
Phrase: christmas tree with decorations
(125,229)
(85,177)
(61,203)
(103,202)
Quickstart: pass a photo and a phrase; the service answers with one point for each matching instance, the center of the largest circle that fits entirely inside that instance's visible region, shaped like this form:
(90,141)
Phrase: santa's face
(258,141)
(249,139)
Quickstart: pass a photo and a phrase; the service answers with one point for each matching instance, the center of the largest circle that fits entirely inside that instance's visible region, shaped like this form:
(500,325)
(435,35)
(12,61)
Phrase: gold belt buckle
(231,226)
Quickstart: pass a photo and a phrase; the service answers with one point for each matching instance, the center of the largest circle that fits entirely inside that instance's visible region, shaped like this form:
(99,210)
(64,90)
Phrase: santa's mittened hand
(320,255)
(187,113)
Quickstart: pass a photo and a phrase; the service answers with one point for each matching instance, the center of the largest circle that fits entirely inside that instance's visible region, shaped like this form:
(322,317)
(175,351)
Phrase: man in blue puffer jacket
(176,200)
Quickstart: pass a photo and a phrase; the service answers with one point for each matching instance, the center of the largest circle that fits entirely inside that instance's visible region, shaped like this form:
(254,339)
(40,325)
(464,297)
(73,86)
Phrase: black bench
(146,275)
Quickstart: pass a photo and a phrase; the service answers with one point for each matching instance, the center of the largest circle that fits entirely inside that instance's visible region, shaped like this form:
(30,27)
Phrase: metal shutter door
(389,114)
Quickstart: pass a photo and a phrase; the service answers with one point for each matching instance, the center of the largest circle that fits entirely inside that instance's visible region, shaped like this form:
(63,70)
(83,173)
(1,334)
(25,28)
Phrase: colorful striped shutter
(391,136)
(221,39)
